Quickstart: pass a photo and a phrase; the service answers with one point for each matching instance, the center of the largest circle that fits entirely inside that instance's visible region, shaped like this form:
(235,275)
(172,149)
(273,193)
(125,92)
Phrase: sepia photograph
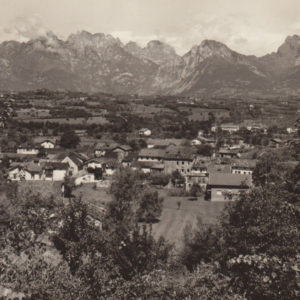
(149,149)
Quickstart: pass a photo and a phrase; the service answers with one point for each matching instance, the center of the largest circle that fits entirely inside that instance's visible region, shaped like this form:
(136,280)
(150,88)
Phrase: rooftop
(228,179)
(156,153)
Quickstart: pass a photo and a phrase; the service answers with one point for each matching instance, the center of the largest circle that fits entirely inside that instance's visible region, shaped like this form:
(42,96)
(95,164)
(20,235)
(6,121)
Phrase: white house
(291,130)
(94,163)
(243,166)
(195,142)
(145,132)
(48,144)
(75,162)
(26,172)
(85,178)
(56,171)
(28,148)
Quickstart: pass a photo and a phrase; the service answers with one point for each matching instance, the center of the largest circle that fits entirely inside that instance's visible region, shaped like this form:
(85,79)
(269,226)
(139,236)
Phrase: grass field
(172,221)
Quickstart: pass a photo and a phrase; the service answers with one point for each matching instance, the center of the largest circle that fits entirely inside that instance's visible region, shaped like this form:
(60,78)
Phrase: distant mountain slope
(98,62)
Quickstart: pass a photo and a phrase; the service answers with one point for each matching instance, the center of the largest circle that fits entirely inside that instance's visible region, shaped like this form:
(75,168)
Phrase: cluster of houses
(162,156)
(225,171)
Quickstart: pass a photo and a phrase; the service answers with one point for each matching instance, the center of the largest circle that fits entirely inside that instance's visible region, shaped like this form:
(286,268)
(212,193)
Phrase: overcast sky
(247,26)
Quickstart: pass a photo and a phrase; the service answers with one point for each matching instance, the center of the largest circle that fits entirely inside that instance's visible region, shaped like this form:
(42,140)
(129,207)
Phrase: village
(214,159)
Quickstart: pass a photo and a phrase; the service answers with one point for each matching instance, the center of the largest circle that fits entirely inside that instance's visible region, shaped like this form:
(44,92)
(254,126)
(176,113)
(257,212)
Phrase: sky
(247,26)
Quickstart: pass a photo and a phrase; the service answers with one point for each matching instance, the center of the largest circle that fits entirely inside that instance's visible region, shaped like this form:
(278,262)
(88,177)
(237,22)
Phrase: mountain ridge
(101,63)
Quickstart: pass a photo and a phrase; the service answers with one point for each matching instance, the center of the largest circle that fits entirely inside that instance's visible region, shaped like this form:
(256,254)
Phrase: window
(182,162)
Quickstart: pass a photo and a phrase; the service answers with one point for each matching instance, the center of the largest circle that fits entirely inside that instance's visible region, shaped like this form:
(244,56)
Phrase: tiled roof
(218,168)
(164,142)
(27,145)
(56,166)
(179,153)
(157,153)
(41,139)
(106,145)
(229,151)
(124,147)
(221,179)
(244,163)
(148,164)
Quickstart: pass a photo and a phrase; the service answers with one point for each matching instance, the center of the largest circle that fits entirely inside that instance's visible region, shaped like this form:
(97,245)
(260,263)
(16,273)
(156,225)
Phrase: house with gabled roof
(179,158)
(45,142)
(144,132)
(148,166)
(198,174)
(102,147)
(151,155)
(56,171)
(229,153)
(227,186)
(75,161)
(243,166)
(163,143)
(25,171)
(121,151)
(28,148)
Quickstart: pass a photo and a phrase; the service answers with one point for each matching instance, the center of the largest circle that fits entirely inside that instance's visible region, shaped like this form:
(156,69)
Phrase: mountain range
(101,63)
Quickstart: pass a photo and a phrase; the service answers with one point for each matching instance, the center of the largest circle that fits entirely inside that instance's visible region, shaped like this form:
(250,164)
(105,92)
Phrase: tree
(150,206)
(177,179)
(257,243)
(69,139)
(195,190)
(159,179)
(205,150)
(76,237)
(134,248)
(267,170)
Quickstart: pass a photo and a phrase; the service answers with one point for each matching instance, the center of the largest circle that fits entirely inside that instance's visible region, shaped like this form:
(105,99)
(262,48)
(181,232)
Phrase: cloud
(127,36)
(23,29)
(249,26)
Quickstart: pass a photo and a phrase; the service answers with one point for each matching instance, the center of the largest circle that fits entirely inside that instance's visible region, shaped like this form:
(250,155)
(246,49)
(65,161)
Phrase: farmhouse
(228,153)
(229,127)
(28,148)
(220,186)
(151,155)
(48,144)
(121,151)
(56,171)
(145,132)
(101,148)
(178,158)
(148,166)
(243,166)
(75,162)
(26,172)
(163,143)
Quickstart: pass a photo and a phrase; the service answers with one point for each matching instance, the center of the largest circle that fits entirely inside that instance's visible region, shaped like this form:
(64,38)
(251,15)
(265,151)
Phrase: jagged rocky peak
(291,46)
(133,48)
(97,40)
(160,52)
(209,48)
(159,46)
(156,51)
